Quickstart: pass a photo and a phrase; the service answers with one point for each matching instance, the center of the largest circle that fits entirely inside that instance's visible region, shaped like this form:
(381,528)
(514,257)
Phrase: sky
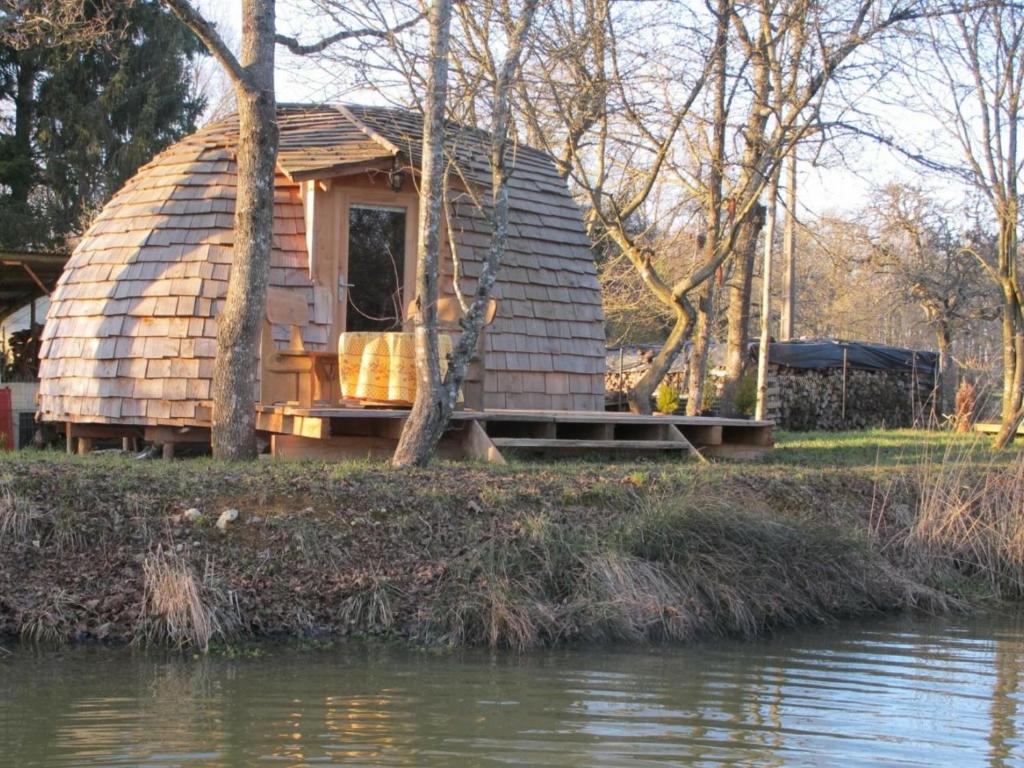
(832,188)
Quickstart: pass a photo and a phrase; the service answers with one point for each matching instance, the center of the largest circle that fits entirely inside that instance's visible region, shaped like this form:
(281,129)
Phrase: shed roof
(27,275)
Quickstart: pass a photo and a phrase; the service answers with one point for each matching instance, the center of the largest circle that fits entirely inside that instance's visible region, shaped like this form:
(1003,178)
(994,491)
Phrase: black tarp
(819,354)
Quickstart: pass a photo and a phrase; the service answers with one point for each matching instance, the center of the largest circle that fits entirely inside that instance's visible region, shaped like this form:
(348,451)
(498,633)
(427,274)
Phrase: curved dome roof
(131,331)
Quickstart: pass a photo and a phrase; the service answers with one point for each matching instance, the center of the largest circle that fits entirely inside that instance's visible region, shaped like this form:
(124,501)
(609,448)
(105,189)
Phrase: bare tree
(712,195)
(978,60)
(241,319)
(615,141)
(435,398)
(934,267)
(599,105)
(791,47)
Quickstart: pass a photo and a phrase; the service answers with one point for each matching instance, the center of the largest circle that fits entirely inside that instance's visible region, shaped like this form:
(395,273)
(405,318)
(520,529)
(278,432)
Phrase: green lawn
(866,450)
(891,449)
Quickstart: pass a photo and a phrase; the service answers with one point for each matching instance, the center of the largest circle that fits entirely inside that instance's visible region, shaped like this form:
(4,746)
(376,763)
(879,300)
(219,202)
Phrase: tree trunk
(433,408)
(738,313)
(764,340)
(430,411)
(748,228)
(241,319)
(698,367)
(945,376)
(1013,327)
(641,393)
(24,116)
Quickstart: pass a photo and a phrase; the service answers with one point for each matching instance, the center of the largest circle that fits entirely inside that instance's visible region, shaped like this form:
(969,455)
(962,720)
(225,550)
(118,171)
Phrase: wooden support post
(673,434)
(844,386)
(168,450)
(69,437)
(477,445)
(84,445)
(788,318)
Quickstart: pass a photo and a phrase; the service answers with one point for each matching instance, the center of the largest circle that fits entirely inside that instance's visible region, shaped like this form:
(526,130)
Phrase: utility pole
(766,300)
(789,252)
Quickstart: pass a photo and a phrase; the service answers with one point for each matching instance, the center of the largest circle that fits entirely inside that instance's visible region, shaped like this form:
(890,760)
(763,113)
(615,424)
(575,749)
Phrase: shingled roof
(131,332)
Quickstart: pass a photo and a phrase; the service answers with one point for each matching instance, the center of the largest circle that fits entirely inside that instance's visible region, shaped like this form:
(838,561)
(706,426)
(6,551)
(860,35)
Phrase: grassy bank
(99,547)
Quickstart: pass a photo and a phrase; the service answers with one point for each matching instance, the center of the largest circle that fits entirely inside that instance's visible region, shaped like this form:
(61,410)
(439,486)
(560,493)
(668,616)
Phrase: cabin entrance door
(375,285)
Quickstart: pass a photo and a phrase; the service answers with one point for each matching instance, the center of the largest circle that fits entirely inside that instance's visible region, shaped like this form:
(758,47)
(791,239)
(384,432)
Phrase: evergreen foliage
(79,119)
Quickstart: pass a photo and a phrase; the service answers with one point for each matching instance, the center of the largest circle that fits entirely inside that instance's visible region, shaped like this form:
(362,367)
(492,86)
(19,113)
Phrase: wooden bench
(294,374)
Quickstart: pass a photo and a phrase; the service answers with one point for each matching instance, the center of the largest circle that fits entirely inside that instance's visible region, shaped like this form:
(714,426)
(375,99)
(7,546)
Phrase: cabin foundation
(331,433)
(490,435)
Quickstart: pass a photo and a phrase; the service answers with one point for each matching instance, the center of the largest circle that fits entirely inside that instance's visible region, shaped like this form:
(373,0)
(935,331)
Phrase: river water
(892,692)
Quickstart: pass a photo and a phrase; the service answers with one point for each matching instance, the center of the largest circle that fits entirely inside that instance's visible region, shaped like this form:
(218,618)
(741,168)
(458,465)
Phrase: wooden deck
(329,432)
(993,427)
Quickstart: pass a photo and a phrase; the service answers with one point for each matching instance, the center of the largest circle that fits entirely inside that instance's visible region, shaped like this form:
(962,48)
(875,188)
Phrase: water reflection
(896,693)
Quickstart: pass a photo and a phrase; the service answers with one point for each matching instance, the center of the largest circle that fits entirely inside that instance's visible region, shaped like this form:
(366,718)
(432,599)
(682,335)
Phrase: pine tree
(83,118)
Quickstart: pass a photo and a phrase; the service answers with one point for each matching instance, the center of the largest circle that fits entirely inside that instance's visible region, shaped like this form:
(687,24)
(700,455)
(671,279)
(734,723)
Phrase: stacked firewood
(822,400)
(615,382)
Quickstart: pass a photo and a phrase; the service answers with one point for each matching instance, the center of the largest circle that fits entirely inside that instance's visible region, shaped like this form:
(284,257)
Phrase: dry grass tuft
(971,521)
(673,569)
(492,607)
(181,609)
(51,623)
(626,599)
(21,522)
(17,518)
(370,608)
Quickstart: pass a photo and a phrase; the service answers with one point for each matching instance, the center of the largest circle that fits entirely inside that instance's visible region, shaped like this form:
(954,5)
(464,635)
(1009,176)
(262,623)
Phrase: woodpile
(826,400)
(616,383)
(625,366)
(892,387)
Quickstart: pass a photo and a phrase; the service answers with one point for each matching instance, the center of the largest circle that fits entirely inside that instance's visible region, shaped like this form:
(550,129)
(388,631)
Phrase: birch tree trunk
(430,412)
(435,399)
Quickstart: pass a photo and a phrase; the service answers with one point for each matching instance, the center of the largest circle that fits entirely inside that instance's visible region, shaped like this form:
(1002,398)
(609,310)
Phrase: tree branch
(214,43)
(300,49)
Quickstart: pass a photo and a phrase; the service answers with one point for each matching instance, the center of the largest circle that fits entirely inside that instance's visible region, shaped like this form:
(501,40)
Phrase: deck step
(556,444)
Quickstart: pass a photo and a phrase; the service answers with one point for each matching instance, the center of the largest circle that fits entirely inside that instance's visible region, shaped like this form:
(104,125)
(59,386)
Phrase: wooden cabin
(130,338)
(131,334)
